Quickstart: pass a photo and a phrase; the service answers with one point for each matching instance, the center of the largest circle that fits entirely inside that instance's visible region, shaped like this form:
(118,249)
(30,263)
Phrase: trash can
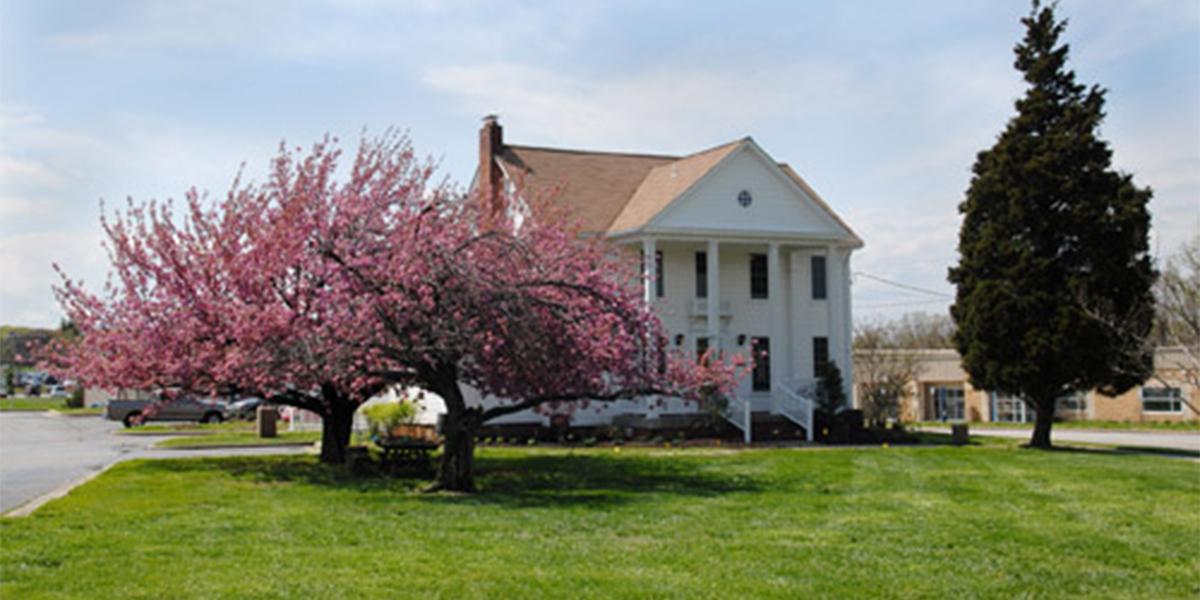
(267,418)
(959,435)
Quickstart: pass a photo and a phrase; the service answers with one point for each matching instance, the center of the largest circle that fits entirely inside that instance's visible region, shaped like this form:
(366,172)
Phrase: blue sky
(880,105)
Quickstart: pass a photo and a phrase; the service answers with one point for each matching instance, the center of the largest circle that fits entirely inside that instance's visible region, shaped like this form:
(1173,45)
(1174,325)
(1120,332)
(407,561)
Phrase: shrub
(382,417)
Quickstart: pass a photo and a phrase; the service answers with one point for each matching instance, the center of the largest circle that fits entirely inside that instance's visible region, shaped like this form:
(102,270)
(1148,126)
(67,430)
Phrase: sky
(880,105)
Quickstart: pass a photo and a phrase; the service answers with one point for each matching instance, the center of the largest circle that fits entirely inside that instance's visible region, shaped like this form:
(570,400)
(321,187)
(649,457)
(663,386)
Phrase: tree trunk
(1045,419)
(336,425)
(456,472)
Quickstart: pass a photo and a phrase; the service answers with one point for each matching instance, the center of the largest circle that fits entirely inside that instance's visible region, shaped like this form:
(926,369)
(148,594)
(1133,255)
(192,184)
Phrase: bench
(406,455)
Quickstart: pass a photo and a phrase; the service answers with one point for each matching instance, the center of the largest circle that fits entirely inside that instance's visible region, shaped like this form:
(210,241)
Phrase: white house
(746,255)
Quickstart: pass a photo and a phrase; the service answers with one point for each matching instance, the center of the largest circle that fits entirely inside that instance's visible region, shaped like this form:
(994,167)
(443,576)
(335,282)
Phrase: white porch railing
(794,400)
(737,412)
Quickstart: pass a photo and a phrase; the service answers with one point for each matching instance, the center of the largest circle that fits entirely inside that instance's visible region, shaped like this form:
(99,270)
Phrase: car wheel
(131,419)
(212,417)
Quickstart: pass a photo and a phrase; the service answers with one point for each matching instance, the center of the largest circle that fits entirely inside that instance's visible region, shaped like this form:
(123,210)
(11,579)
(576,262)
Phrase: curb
(27,508)
(233,446)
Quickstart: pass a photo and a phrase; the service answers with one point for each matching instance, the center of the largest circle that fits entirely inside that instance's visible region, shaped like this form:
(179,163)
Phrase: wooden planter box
(414,432)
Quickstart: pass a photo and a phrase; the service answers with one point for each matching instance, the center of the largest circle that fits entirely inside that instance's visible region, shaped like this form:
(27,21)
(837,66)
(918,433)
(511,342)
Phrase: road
(1170,440)
(42,452)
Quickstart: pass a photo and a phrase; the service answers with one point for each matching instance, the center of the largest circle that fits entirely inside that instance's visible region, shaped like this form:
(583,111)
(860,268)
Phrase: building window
(817,264)
(758,276)
(660,288)
(701,275)
(1008,409)
(701,347)
(1162,400)
(949,403)
(820,355)
(1073,402)
(760,347)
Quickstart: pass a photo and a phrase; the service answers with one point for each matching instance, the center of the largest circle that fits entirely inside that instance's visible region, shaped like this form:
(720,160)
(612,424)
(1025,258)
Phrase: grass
(982,521)
(190,427)
(240,438)
(32,403)
(1110,425)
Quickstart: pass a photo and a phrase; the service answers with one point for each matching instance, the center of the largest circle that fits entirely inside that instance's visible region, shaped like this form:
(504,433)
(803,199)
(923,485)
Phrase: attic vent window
(744,198)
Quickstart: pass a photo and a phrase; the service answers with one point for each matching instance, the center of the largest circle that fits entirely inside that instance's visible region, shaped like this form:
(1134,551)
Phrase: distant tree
(1178,326)
(922,330)
(884,368)
(1054,280)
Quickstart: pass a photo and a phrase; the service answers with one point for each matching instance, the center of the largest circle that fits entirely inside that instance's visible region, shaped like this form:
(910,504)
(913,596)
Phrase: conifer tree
(1054,280)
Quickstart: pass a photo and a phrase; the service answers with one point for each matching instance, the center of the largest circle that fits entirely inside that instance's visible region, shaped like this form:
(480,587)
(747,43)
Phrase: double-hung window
(1162,400)
(758,276)
(817,269)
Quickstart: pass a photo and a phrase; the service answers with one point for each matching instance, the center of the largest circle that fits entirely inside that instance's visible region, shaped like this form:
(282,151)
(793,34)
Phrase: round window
(744,198)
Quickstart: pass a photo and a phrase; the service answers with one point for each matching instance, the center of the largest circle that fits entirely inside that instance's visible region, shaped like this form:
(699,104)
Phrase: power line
(903,285)
(899,304)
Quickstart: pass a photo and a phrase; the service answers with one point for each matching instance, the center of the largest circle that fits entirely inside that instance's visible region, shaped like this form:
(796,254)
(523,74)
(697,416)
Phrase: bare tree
(1177,326)
(886,362)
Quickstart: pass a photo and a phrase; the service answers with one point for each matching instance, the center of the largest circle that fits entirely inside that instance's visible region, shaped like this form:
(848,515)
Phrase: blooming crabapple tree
(230,297)
(321,293)
(522,309)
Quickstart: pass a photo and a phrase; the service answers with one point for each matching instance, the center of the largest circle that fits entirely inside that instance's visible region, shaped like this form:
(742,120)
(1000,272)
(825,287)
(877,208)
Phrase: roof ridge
(605,152)
(717,147)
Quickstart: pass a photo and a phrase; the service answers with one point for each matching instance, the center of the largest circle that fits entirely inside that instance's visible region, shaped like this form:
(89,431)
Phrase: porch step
(765,427)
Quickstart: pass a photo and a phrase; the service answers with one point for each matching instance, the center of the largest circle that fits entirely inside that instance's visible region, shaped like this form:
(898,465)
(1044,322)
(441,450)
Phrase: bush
(384,416)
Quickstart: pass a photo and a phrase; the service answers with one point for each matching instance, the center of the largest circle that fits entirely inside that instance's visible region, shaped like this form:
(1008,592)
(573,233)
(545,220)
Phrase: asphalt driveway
(1168,440)
(42,452)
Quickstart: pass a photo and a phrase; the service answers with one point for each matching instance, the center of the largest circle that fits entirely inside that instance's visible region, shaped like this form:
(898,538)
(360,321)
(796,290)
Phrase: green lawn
(982,521)
(240,438)
(190,427)
(1115,425)
(27,403)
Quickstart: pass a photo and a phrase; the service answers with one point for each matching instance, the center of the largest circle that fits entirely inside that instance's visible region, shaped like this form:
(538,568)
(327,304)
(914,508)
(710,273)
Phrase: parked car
(58,391)
(243,408)
(187,408)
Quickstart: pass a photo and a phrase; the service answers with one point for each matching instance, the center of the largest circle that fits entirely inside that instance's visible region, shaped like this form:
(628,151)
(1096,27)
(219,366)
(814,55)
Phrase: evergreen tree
(831,395)
(1054,276)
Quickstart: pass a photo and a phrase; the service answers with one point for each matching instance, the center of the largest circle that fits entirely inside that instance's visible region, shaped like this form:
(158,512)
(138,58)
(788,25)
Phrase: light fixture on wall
(679,339)
(741,339)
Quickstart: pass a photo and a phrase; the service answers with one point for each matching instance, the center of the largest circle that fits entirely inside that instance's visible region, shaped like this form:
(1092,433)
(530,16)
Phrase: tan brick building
(942,391)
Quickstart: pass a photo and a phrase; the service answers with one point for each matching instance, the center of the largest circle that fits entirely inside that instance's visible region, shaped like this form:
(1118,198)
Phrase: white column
(649,272)
(847,328)
(714,295)
(779,341)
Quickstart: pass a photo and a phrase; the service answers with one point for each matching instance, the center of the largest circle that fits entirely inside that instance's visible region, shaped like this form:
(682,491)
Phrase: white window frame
(1177,400)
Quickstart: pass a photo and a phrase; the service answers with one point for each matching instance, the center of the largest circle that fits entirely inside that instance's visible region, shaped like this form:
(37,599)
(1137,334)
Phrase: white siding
(778,206)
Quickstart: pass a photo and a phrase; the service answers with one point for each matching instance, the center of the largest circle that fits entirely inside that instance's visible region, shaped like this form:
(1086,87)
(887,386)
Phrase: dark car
(243,408)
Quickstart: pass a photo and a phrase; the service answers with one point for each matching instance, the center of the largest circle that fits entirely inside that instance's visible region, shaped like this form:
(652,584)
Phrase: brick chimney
(491,144)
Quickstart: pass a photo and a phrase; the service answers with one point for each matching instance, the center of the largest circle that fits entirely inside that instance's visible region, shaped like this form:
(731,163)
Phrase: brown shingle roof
(666,182)
(614,192)
(594,185)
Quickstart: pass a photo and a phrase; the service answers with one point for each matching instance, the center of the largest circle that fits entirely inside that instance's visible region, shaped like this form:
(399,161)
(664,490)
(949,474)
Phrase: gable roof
(666,182)
(615,192)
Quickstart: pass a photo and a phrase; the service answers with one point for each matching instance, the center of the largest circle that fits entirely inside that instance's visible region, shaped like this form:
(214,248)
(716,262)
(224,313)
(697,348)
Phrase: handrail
(795,404)
(739,407)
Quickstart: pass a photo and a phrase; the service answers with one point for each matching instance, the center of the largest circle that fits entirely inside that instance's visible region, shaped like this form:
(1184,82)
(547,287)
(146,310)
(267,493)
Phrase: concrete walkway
(44,455)
(1167,440)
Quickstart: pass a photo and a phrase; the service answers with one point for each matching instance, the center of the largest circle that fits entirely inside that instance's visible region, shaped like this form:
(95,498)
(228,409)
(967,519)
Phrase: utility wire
(899,304)
(902,285)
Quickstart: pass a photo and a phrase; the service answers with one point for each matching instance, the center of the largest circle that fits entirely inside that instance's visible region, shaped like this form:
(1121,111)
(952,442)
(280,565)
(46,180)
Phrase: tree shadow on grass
(1129,451)
(520,481)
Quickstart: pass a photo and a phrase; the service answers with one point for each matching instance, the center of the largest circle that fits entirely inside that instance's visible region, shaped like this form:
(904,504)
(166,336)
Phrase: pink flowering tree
(321,290)
(230,297)
(514,304)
